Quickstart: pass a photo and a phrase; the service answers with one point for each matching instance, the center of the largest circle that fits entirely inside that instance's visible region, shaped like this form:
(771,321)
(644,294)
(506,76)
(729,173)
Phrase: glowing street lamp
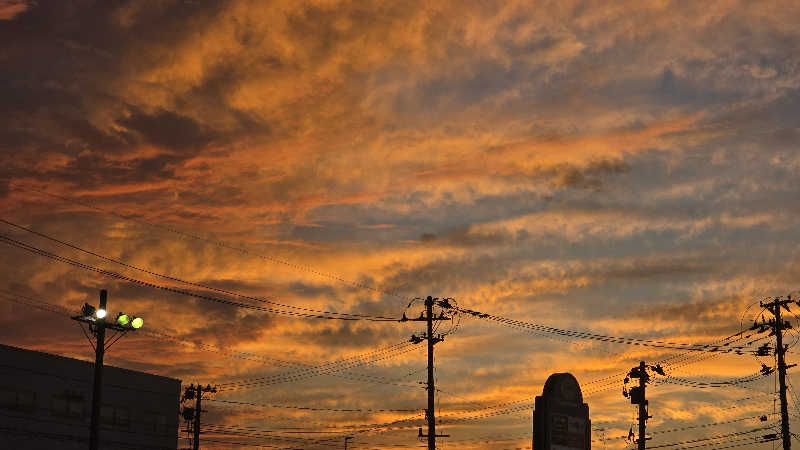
(137,323)
(123,319)
(129,322)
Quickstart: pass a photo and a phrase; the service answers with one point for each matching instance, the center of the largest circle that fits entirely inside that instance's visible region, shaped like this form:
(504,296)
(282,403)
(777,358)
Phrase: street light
(123,319)
(137,323)
(95,319)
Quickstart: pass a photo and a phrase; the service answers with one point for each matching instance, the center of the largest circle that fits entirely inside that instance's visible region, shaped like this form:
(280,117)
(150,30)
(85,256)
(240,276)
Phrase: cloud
(11,8)
(623,168)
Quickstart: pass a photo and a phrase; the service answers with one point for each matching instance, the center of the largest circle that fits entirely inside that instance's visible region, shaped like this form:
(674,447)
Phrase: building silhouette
(46,400)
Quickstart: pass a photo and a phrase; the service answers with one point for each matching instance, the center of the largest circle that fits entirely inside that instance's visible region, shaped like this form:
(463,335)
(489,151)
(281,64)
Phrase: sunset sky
(623,168)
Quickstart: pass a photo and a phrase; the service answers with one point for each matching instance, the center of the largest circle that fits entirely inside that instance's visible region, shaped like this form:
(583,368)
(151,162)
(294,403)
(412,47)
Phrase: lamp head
(87,310)
(137,322)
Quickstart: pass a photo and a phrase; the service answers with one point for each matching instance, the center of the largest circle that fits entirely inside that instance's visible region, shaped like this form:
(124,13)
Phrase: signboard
(560,418)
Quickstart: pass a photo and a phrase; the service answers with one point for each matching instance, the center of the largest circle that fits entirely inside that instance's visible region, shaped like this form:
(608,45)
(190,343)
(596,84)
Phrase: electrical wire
(345,361)
(29,248)
(710,438)
(603,338)
(217,243)
(713,384)
(6,295)
(179,280)
(235,386)
(310,408)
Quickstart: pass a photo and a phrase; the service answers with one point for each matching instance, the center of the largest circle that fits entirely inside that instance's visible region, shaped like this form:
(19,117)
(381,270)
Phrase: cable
(243,444)
(308,408)
(345,361)
(221,244)
(741,442)
(6,295)
(171,278)
(693,441)
(313,372)
(23,246)
(705,385)
(513,323)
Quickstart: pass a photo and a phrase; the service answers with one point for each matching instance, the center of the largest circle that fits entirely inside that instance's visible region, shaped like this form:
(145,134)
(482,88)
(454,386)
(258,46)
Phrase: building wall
(46,400)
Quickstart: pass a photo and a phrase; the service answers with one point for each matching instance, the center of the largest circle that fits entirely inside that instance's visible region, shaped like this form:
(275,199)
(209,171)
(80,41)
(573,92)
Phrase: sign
(560,417)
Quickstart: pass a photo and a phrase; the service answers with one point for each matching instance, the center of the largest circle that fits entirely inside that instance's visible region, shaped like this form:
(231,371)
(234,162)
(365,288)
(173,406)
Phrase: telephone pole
(193,414)
(778,325)
(429,318)
(638,396)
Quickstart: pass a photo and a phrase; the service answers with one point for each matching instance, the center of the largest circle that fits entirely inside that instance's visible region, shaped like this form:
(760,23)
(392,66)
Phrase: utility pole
(95,318)
(429,318)
(638,396)
(196,393)
(778,325)
(197,412)
(643,403)
(99,352)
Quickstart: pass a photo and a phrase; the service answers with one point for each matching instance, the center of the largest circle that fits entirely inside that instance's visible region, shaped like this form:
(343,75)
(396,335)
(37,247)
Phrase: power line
(217,243)
(310,408)
(678,360)
(527,403)
(712,438)
(312,372)
(604,338)
(714,384)
(247,444)
(740,442)
(704,425)
(321,315)
(326,366)
(6,295)
(182,281)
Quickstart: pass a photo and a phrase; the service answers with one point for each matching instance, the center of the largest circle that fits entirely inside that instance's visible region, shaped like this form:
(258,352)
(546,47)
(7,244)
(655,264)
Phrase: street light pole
(99,352)
(95,318)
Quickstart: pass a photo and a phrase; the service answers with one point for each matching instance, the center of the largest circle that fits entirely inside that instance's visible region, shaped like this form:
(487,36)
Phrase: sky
(622,168)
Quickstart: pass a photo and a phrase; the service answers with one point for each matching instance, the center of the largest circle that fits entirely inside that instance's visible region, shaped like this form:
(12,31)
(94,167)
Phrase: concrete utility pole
(95,318)
(778,325)
(430,415)
(197,393)
(643,413)
(99,352)
(638,396)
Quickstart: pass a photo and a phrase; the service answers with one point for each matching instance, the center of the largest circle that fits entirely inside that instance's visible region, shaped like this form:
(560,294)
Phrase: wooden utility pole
(430,415)
(778,325)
